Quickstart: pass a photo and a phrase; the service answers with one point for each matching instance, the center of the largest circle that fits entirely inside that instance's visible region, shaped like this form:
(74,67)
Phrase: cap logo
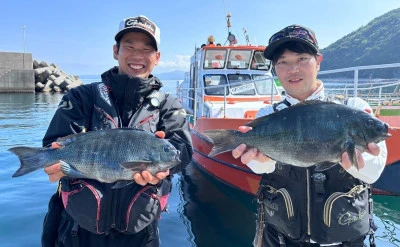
(142,23)
(293,32)
(299,32)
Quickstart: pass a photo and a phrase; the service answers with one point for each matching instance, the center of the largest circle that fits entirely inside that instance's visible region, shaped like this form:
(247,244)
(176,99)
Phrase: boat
(225,87)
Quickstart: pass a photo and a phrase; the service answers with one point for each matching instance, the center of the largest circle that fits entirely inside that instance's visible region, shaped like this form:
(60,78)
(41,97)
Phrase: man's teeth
(136,66)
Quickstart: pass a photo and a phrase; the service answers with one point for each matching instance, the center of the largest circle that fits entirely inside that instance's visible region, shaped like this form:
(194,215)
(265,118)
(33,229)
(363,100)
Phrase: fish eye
(167,149)
(370,123)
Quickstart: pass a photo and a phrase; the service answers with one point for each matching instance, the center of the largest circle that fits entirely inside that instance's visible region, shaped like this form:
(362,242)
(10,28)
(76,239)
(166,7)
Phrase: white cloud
(181,62)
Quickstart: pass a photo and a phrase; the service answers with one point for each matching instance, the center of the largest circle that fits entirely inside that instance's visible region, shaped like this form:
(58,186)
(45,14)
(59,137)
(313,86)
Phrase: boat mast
(231,38)
(246,36)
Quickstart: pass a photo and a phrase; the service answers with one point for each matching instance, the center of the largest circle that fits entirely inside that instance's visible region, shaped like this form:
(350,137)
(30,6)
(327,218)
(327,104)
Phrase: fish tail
(223,140)
(31,159)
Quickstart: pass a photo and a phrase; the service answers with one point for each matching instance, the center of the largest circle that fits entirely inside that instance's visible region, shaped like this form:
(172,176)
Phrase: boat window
(214,59)
(263,84)
(259,61)
(246,88)
(239,59)
(214,80)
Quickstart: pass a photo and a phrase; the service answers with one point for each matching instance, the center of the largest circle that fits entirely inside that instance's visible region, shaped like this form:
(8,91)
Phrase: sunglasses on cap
(294,32)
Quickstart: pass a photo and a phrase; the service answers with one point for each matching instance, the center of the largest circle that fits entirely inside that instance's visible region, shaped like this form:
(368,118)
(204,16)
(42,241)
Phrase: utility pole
(23,28)
(23,58)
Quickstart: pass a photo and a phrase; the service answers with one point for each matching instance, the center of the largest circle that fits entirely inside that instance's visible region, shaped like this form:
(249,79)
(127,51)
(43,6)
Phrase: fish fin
(313,102)
(70,171)
(263,119)
(223,140)
(258,120)
(30,159)
(65,140)
(138,165)
(350,147)
(121,184)
(324,166)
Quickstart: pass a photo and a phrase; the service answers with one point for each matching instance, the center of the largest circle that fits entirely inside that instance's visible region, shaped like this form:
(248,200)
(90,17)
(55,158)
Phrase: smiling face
(136,55)
(297,73)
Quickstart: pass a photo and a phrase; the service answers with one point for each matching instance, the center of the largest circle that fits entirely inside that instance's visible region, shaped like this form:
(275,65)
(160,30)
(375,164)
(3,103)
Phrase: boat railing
(372,94)
(375,91)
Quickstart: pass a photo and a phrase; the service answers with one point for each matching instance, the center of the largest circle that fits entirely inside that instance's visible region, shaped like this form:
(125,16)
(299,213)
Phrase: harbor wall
(16,72)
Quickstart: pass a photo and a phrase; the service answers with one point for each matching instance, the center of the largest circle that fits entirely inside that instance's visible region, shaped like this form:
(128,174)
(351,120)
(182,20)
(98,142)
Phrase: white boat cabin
(228,81)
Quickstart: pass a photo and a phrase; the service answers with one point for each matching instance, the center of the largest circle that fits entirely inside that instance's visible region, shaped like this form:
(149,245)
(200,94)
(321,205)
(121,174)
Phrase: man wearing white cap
(87,212)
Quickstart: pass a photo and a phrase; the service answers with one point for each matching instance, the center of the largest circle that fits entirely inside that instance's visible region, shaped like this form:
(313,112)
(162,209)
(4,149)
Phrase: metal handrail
(356,69)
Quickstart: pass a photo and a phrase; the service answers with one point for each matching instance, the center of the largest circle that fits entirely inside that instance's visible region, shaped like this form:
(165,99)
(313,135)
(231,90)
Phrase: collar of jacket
(129,93)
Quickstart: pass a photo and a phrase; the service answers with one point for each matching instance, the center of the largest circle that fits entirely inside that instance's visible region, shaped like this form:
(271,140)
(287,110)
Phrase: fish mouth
(386,133)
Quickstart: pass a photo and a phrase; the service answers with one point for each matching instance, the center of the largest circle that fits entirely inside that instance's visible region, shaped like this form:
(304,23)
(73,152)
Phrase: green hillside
(376,43)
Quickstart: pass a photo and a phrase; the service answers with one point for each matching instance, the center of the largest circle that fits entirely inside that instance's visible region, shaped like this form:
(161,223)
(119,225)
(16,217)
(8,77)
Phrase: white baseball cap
(139,24)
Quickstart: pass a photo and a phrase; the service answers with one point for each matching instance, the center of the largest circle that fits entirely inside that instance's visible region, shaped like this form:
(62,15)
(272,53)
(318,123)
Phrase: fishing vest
(96,206)
(303,204)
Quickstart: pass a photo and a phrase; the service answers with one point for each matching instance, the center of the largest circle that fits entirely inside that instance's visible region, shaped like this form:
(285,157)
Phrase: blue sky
(78,35)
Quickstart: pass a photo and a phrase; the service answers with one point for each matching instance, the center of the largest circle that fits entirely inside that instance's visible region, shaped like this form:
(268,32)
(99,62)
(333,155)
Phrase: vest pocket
(144,208)
(280,211)
(90,204)
(83,204)
(345,216)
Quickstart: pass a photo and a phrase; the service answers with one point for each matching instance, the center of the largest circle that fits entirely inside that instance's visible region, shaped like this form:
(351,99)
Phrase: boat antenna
(231,38)
(246,36)
(255,40)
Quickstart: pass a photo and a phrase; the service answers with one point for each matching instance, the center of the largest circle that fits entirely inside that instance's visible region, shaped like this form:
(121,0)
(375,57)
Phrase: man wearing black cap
(86,212)
(302,206)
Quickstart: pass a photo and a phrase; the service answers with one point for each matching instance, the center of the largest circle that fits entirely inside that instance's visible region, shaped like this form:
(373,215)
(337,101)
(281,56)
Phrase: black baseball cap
(291,33)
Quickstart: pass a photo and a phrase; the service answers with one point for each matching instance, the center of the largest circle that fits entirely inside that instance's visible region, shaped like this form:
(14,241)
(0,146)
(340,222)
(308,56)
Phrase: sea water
(201,212)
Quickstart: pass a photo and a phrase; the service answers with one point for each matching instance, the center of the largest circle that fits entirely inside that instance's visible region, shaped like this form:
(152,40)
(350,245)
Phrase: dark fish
(308,133)
(107,155)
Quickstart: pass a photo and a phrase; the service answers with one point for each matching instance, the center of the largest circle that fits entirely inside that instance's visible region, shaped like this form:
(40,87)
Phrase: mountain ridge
(378,42)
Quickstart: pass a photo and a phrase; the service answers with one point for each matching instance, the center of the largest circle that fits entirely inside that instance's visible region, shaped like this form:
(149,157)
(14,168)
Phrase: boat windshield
(215,80)
(239,84)
(214,59)
(259,62)
(246,88)
(239,59)
(263,84)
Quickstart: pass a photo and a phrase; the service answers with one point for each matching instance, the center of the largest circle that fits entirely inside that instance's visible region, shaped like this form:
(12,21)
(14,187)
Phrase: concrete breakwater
(16,73)
(50,78)
(19,73)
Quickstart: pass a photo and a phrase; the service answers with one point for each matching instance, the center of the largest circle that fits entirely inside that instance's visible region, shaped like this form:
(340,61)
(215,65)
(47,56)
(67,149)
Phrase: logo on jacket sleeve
(65,105)
(104,93)
(270,207)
